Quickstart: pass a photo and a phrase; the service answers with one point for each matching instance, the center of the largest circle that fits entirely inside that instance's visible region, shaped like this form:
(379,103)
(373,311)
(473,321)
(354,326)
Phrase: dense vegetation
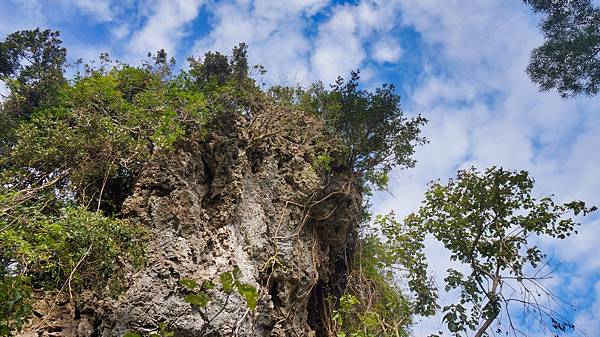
(72,148)
(569,59)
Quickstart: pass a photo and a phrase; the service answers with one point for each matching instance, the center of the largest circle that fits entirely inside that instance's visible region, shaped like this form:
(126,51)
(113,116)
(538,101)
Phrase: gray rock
(234,200)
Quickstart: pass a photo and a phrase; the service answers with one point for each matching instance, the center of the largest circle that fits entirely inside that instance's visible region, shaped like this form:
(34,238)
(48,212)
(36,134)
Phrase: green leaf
(190,284)
(208,285)
(250,294)
(199,299)
(227,282)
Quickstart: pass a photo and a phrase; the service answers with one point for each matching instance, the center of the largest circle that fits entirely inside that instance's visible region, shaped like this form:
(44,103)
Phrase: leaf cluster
(48,248)
(230,282)
(31,66)
(376,134)
(15,306)
(569,59)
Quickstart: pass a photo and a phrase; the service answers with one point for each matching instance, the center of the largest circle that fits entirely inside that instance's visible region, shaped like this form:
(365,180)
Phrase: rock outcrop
(249,195)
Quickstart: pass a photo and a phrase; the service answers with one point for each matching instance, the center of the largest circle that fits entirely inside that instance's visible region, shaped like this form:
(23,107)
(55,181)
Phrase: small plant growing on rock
(198,295)
(323,162)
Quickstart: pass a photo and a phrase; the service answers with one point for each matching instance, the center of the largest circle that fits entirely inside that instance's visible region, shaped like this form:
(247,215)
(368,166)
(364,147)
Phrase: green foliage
(31,64)
(163,331)
(371,125)
(15,297)
(569,59)
(402,250)
(487,221)
(198,299)
(217,70)
(249,293)
(189,284)
(227,282)
(49,248)
(102,130)
(230,282)
(323,162)
(389,257)
(73,247)
(345,305)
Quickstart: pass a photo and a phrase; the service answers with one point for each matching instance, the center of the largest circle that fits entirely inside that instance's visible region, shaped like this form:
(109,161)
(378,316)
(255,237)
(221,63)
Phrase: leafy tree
(376,134)
(31,64)
(213,69)
(239,62)
(488,221)
(569,59)
(216,69)
(373,127)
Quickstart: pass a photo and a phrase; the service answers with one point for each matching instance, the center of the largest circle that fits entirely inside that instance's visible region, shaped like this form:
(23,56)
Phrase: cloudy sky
(460,63)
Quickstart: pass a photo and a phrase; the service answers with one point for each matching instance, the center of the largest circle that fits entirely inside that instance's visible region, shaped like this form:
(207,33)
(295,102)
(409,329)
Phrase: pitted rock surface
(215,204)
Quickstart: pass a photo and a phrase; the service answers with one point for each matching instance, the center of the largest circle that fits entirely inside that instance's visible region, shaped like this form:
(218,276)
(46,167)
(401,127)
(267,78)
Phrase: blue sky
(459,63)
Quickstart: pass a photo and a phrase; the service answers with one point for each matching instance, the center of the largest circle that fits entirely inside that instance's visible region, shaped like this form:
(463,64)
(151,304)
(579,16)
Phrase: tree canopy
(569,59)
(375,131)
(489,221)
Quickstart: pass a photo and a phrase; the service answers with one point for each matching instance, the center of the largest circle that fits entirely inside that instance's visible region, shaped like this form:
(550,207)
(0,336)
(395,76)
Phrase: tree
(371,125)
(569,59)
(31,64)
(488,221)
(217,69)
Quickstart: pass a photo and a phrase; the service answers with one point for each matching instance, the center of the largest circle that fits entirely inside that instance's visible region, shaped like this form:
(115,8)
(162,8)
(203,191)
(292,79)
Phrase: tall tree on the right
(569,59)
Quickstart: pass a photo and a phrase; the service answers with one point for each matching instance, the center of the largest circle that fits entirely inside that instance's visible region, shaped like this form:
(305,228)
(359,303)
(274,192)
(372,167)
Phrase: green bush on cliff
(376,134)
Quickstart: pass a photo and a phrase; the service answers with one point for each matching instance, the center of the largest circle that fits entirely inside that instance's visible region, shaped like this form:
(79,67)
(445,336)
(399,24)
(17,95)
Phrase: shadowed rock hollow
(250,195)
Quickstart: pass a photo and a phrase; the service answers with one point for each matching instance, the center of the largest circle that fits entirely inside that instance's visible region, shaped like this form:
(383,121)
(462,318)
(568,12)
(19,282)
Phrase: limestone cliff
(248,195)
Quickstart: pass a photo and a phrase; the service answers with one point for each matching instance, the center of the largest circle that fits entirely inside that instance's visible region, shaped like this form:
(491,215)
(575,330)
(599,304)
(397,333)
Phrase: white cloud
(588,321)
(164,27)
(340,44)
(19,15)
(280,36)
(484,111)
(100,10)
(387,50)
(338,48)
(274,31)
(120,31)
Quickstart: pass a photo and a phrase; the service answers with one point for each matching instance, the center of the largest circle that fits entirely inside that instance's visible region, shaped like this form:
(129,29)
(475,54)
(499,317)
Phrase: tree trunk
(487,324)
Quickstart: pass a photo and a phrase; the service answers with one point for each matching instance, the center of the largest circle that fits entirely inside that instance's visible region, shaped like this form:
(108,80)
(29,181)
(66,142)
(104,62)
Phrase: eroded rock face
(230,200)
